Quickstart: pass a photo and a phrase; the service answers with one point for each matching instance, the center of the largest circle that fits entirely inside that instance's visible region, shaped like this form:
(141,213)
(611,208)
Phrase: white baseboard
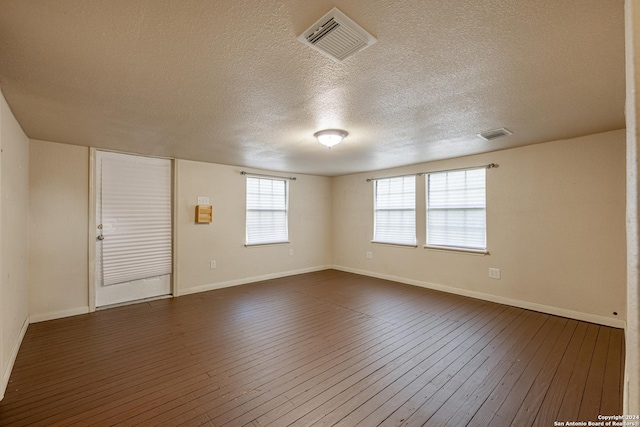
(12,359)
(244,281)
(59,314)
(556,311)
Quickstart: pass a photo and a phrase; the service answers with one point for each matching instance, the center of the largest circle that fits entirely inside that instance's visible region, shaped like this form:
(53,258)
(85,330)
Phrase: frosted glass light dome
(330,137)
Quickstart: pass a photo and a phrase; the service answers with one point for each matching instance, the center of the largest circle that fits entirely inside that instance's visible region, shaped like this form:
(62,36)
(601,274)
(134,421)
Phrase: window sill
(469,251)
(253,245)
(404,245)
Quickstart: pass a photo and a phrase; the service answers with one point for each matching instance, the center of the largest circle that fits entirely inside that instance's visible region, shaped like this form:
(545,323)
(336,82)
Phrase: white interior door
(133,236)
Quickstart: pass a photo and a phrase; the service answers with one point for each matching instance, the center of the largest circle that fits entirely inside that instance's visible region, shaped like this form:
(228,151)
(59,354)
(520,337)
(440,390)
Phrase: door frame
(93,224)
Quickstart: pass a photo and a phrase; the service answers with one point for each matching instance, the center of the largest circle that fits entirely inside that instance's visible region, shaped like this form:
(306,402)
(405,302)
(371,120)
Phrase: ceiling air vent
(492,134)
(336,36)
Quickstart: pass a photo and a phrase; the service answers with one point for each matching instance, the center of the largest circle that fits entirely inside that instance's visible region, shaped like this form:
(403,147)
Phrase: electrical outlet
(203,200)
(494,273)
(213,264)
(370,255)
(290,252)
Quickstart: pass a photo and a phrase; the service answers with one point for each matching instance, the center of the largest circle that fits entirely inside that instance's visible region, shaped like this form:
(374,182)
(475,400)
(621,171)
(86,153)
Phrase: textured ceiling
(228,82)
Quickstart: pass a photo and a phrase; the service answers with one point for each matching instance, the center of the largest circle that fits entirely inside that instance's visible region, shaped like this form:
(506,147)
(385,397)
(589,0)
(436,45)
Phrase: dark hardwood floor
(325,348)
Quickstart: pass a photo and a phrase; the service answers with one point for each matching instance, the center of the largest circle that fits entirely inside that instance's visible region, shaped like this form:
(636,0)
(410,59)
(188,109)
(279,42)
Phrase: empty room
(315,213)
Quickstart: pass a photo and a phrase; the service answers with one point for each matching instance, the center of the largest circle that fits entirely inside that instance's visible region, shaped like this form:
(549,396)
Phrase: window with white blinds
(456,209)
(267,206)
(136,218)
(395,210)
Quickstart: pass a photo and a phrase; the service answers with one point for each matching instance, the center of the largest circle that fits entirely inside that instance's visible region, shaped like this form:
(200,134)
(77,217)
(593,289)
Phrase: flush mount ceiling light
(330,137)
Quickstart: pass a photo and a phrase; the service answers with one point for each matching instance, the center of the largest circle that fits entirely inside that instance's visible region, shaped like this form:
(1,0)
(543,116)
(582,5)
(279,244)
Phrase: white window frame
(383,212)
(472,208)
(280,232)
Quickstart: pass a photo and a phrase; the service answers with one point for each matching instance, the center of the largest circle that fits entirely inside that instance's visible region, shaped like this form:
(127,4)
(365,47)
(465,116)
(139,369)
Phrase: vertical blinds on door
(136,218)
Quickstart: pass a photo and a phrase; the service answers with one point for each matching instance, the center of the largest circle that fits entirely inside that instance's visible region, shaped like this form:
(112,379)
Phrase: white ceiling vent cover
(492,134)
(336,36)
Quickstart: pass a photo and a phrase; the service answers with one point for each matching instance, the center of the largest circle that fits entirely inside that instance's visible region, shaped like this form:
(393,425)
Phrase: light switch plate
(203,200)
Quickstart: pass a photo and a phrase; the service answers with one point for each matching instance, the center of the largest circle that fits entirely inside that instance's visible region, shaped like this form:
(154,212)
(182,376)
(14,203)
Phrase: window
(267,205)
(395,210)
(456,209)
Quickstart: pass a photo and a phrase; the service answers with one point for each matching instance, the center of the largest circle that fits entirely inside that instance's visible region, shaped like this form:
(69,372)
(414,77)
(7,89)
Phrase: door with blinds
(134,228)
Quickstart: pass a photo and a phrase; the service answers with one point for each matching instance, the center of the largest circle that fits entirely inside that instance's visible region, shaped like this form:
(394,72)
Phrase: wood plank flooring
(322,349)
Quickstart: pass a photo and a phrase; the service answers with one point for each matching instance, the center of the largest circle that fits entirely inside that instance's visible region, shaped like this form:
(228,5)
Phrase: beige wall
(555,228)
(58,254)
(632,363)
(58,258)
(223,239)
(14,215)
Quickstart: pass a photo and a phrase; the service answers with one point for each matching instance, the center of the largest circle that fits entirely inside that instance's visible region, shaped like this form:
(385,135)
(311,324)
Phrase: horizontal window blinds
(395,210)
(456,209)
(266,211)
(136,218)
